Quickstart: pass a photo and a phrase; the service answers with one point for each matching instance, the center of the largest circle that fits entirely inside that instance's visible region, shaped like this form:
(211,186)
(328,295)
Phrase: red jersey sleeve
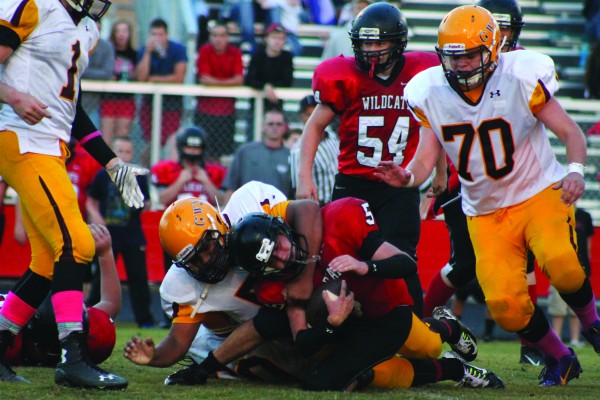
(335,82)
(165,172)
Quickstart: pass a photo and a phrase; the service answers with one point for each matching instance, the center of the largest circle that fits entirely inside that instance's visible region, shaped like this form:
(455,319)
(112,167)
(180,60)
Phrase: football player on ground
(37,345)
(202,288)
(367,93)
(384,323)
(488,112)
(460,269)
(44,50)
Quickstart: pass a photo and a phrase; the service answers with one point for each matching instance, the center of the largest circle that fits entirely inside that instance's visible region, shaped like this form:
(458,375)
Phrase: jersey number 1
(68,91)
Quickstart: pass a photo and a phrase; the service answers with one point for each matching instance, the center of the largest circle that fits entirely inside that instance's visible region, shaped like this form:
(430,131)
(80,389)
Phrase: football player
(460,269)
(488,112)
(384,323)
(202,288)
(367,93)
(44,49)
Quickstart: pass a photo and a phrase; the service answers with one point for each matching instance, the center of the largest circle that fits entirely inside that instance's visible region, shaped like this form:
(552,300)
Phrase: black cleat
(532,356)
(466,346)
(6,372)
(193,374)
(76,370)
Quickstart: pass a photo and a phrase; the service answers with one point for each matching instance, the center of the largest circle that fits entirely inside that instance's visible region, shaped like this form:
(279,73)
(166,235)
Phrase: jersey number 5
(484,133)
(370,149)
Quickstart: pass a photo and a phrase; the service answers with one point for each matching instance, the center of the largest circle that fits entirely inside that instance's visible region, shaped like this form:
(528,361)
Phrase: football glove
(123,175)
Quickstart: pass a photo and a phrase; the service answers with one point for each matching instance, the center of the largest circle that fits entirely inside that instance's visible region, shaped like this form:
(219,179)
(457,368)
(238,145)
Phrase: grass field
(146,383)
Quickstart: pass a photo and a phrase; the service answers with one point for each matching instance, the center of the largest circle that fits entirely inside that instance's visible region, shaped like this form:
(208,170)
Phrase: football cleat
(76,370)
(531,355)
(560,372)
(476,377)
(8,375)
(466,346)
(193,374)
(592,335)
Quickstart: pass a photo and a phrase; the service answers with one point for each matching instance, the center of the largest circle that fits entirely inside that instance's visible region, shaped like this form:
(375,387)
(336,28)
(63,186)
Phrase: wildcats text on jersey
(384,102)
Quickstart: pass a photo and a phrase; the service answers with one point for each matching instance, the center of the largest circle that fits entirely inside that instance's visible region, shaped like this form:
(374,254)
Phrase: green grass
(146,383)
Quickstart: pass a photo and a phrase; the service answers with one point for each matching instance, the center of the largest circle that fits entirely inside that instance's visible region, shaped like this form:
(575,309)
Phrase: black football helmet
(378,22)
(253,240)
(192,136)
(93,9)
(508,15)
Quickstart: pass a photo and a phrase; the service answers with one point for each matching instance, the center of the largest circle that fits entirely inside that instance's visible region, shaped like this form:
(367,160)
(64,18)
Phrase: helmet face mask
(468,37)
(94,9)
(255,239)
(194,234)
(509,17)
(378,22)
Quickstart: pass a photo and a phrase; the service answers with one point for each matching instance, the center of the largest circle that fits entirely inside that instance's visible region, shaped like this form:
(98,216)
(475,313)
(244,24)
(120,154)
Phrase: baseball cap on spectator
(275,27)
(306,102)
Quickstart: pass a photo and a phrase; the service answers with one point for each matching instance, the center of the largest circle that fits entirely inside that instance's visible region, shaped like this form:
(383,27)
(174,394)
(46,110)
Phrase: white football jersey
(233,294)
(501,151)
(48,63)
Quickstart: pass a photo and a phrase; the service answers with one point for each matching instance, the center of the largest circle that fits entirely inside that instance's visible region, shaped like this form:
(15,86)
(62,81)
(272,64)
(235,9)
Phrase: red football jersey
(82,168)
(375,121)
(164,173)
(346,224)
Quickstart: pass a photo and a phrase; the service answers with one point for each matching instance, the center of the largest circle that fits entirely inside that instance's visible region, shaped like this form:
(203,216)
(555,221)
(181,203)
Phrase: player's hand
(338,307)
(28,107)
(186,175)
(102,238)
(572,187)
(348,263)
(123,175)
(306,190)
(392,174)
(438,184)
(139,351)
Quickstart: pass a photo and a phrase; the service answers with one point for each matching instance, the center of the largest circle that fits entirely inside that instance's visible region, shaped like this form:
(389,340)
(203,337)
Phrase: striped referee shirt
(324,168)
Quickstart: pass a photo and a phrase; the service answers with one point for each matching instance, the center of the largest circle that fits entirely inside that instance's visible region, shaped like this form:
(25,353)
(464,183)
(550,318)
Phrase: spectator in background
(326,163)
(291,137)
(321,12)
(557,308)
(592,73)
(271,66)
(266,161)
(591,13)
(117,110)
(245,13)
(161,61)
(106,207)
(289,14)
(100,68)
(218,64)
(339,42)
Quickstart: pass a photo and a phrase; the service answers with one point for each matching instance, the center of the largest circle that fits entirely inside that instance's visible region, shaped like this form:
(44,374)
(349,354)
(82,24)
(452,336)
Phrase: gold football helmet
(194,234)
(468,32)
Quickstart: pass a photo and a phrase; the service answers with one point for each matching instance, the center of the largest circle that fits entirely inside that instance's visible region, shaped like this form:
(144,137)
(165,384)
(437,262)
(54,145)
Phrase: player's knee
(84,247)
(511,313)
(566,274)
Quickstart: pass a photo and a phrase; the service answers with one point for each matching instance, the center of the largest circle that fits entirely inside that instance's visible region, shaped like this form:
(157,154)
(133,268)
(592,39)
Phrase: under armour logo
(492,94)
(108,377)
(87,28)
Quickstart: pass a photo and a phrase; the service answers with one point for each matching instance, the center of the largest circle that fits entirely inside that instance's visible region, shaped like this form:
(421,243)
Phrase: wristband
(576,167)
(411,180)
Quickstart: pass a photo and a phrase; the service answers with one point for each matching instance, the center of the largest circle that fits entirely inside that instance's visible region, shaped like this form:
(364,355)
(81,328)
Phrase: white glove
(123,175)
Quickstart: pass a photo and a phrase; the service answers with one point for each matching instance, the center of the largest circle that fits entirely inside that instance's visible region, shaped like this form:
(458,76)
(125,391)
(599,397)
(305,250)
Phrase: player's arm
(558,121)
(419,169)
(169,350)
(311,136)
(304,216)
(110,286)
(29,108)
